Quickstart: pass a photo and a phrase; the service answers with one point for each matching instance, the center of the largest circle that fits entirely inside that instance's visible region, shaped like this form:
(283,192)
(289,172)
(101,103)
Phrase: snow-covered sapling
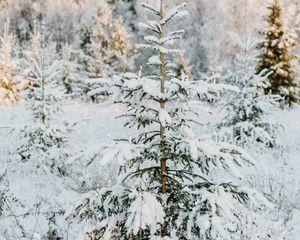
(164,182)
(44,137)
(247,109)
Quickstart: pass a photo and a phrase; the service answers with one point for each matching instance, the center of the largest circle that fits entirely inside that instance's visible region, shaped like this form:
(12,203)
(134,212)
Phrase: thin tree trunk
(163,160)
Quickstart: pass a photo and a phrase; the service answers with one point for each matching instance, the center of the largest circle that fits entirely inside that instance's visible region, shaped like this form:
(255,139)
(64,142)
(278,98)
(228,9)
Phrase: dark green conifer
(276,60)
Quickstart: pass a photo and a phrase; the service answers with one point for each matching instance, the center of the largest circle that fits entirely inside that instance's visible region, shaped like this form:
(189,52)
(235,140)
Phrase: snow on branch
(172,36)
(154,60)
(168,51)
(150,9)
(54,68)
(144,211)
(147,46)
(164,117)
(160,49)
(166,40)
(174,13)
(151,25)
(152,39)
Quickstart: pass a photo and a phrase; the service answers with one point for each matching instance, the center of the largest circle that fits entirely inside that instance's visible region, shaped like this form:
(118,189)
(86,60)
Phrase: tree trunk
(163,160)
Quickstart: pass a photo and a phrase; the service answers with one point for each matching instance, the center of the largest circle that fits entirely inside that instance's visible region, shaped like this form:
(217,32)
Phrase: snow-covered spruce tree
(44,137)
(42,147)
(276,57)
(164,182)
(245,122)
(106,47)
(10,78)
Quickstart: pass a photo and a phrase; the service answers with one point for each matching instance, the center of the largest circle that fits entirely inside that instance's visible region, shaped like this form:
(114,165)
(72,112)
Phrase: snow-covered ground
(34,193)
(291,167)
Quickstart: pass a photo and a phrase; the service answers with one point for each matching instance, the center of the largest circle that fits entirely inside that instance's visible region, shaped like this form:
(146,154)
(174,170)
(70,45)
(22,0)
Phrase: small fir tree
(276,57)
(164,182)
(45,136)
(247,108)
(42,147)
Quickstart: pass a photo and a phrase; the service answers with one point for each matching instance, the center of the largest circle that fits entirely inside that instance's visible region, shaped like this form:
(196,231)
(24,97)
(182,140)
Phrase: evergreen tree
(164,182)
(247,108)
(44,137)
(42,147)
(276,57)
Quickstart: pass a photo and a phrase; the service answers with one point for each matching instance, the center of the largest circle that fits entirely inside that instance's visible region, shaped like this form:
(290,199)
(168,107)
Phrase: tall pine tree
(276,57)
